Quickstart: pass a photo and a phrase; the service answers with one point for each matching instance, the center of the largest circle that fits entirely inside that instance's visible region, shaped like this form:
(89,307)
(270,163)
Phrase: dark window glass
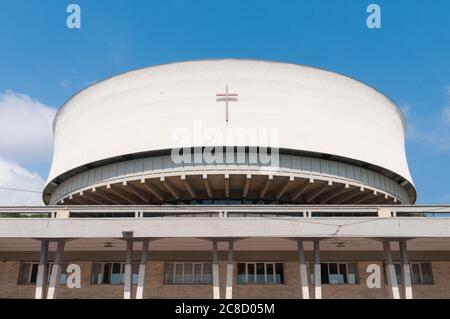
(24,273)
(352,273)
(269,271)
(188,275)
(279,273)
(415,274)
(333,273)
(260,276)
(342,273)
(207,273)
(34,272)
(197,273)
(168,273)
(427,277)
(250,273)
(241,273)
(106,274)
(324,273)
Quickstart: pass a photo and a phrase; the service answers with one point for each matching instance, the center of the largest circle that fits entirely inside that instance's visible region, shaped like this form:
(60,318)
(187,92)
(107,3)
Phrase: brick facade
(156,288)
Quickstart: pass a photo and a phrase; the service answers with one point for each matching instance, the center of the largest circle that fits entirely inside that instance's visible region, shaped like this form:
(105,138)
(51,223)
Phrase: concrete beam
(211,227)
(283,188)
(207,186)
(188,186)
(302,189)
(265,187)
(153,190)
(170,188)
(248,180)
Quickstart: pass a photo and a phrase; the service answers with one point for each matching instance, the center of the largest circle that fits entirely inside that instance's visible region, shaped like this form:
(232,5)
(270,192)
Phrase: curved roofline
(402,181)
(397,108)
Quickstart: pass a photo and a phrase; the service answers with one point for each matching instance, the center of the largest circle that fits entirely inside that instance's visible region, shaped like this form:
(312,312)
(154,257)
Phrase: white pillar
(128,271)
(142,266)
(303,273)
(390,271)
(56,269)
(215,270)
(229,288)
(317,274)
(41,280)
(406,271)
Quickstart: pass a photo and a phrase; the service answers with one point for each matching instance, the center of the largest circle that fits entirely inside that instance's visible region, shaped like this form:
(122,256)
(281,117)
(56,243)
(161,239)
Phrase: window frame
(338,263)
(62,265)
(122,273)
(399,274)
(255,273)
(183,274)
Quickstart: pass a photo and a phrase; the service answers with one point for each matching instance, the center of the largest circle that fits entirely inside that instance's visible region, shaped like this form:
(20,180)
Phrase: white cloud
(433,131)
(25,128)
(12,175)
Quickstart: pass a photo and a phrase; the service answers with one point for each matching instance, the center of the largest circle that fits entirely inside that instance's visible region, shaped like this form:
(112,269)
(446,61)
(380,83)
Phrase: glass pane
(116,274)
(34,271)
(415,274)
(97,277)
(63,274)
(178,273)
(260,276)
(279,273)
(251,273)
(168,273)
(342,273)
(106,273)
(269,272)
(188,277)
(427,277)
(352,276)
(135,273)
(333,270)
(241,273)
(207,273)
(197,273)
(323,273)
(24,272)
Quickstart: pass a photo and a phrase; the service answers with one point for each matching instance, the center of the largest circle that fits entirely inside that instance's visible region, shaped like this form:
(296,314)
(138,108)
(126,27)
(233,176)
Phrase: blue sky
(408,59)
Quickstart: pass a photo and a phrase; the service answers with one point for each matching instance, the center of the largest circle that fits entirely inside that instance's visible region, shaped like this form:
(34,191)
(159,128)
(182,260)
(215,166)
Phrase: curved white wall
(314,110)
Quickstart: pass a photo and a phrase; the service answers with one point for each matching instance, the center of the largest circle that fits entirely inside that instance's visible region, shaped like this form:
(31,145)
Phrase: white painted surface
(314,110)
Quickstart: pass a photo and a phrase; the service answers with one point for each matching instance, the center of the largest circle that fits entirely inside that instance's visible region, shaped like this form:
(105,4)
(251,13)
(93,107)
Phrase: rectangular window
(420,273)
(337,273)
(112,273)
(187,273)
(260,273)
(28,273)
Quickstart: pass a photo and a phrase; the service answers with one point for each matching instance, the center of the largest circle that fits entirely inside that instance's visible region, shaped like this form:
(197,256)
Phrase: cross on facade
(227,96)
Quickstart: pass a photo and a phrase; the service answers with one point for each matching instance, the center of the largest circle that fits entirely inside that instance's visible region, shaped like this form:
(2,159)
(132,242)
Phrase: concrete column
(390,271)
(229,288)
(128,271)
(215,270)
(317,273)
(41,280)
(303,273)
(56,269)
(142,266)
(406,271)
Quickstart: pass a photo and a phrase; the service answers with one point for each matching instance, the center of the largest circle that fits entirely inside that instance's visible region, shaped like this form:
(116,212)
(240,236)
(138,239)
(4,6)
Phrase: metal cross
(227,96)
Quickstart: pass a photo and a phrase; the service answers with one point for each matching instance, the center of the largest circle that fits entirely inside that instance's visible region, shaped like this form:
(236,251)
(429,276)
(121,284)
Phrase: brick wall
(155,287)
